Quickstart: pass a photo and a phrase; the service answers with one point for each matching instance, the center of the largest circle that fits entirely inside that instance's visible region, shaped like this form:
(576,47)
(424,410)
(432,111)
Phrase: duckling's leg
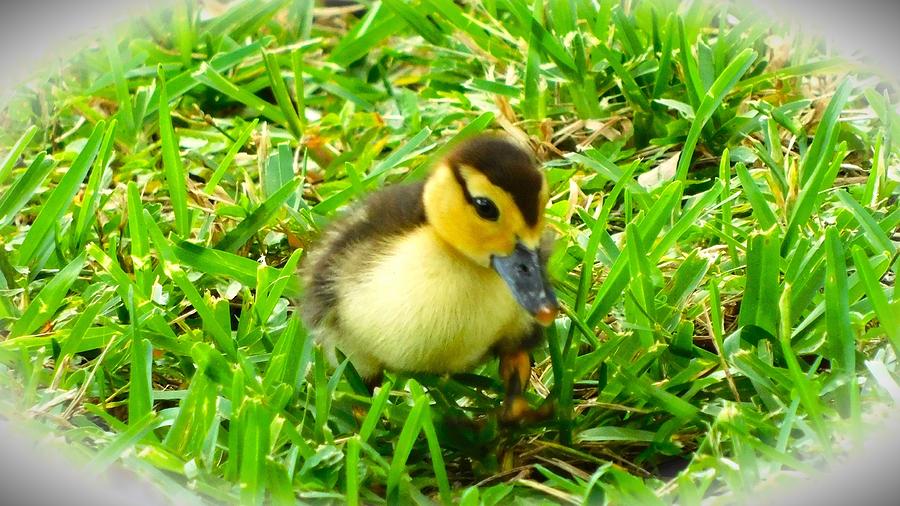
(515,370)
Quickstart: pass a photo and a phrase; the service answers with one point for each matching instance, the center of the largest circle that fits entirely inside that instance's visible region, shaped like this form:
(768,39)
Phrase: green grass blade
(826,132)
(709,103)
(395,158)
(759,306)
(378,24)
(809,194)
(885,310)
(609,170)
(237,14)
(532,95)
(238,236)
(667,401)
(689,67)
(475,127)
(837,321)
(233,150)
(24,187)
(212,78)
(227,265)
(408,435)
(124,442)
(236,422)
(664,74)
(265,302)
(140,242)
(434,445)
(282,98)
(761,209)
(176,179)
(590,253)
(183,83)
(379,402)
(285,360)
(86,214)
(126,113)
(352,469)
(279,171)
(299,84)
(416,20)
(253,452)
(172,269)
(449,13)
(72,343)
(437,458)
(195,414)
(640,287)
(800,383)
(687,220)
(12,156)
(322,403)
(872,232)
(352,90)
(630,88)
(140,391)
(184,31)
(726,204)
(824,66)
(49,299)
(649,226)
(59,201)
(610,433)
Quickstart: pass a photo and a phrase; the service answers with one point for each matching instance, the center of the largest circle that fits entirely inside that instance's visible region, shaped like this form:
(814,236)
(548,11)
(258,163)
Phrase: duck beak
(527,280)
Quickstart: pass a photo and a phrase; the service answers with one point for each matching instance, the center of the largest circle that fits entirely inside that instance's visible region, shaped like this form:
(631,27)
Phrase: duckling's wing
(348,243)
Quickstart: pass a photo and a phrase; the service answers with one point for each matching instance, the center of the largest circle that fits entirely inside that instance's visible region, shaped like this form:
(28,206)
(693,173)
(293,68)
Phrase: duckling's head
(486,199)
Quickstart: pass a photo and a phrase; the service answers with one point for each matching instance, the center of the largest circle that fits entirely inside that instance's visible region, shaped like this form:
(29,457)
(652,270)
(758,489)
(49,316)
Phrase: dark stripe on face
(462,182)
(505,165)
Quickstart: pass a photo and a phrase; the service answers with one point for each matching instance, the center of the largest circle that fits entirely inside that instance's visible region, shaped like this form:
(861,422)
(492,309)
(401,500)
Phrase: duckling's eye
(486,208)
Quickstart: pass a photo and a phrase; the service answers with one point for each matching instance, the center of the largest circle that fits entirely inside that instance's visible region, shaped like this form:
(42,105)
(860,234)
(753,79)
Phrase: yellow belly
(423,307)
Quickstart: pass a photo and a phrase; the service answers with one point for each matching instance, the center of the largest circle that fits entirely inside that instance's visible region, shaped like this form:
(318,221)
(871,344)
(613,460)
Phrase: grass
(724,193)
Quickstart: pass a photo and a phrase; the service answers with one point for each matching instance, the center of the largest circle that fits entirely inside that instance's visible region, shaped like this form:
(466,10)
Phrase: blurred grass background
(724,191)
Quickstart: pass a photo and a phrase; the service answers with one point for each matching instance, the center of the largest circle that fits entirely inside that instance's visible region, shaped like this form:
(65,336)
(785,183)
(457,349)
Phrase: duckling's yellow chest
(420,306)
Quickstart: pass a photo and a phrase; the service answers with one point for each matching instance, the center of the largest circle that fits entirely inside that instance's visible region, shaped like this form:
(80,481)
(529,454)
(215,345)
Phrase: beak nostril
(523,269)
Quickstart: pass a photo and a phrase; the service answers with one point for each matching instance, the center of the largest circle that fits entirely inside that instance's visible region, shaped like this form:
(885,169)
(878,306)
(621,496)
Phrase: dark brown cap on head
(506,165)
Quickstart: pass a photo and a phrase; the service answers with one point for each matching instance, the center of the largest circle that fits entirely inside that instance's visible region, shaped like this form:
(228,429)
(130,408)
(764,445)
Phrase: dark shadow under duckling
(436,276)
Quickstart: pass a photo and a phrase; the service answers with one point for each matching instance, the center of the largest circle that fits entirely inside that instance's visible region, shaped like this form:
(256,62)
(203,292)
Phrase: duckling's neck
(452,251)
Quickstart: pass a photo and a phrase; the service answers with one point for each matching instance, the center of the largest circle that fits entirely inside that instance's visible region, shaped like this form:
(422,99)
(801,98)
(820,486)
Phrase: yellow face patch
(456,220)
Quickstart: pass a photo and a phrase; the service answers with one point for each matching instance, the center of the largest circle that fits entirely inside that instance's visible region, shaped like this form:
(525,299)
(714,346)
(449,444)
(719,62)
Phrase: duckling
(438,275)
